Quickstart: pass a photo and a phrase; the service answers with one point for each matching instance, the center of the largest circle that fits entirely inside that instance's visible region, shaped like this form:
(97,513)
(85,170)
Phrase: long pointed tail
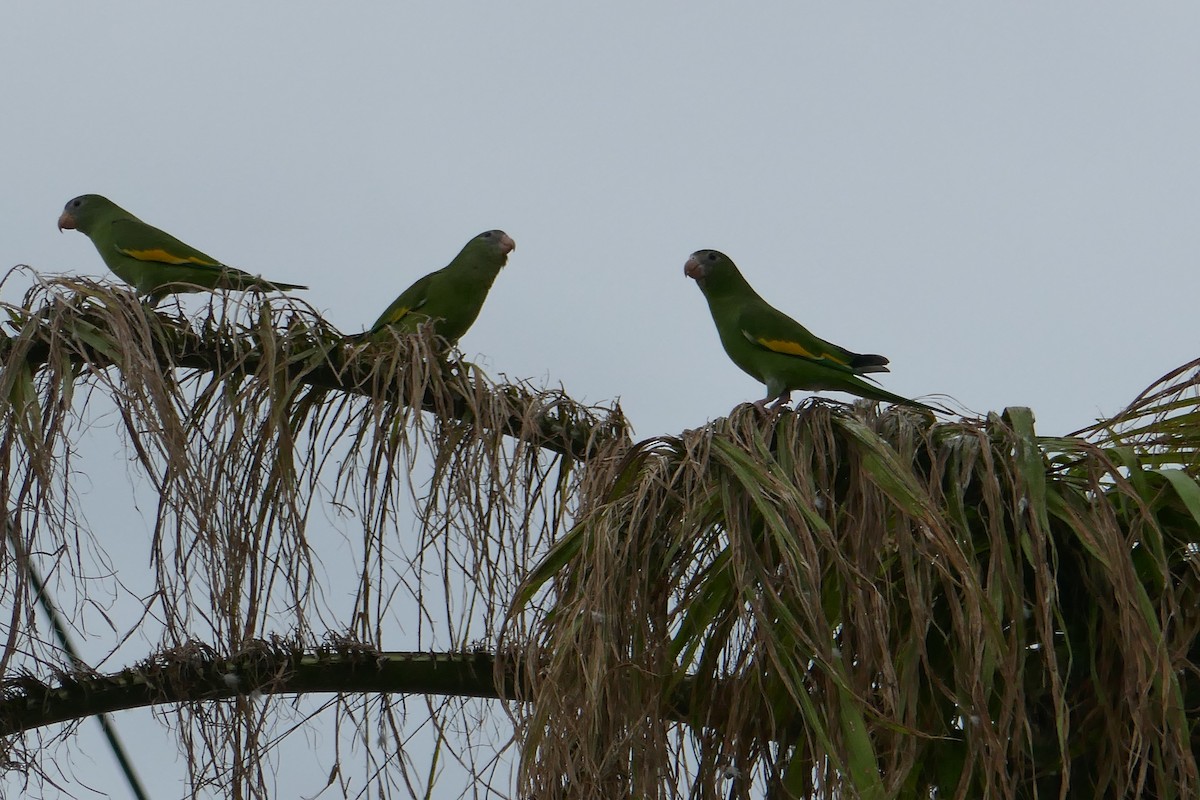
(871,392)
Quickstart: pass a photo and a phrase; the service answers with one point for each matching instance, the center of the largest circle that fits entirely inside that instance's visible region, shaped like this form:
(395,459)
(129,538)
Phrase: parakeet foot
(780,401)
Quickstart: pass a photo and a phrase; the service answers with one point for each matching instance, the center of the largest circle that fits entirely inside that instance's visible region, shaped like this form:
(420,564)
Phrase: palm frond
(869,606)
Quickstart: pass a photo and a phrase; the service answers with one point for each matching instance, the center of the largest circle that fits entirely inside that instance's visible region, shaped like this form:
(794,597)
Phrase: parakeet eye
(712,256)
(76,203)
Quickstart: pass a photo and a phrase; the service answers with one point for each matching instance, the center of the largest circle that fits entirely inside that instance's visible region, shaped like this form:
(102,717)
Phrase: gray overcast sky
(1001,197)
(971,189)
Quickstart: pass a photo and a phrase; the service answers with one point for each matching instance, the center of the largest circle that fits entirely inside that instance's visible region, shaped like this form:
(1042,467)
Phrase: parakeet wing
(773,330)
(137,240)
(411,299)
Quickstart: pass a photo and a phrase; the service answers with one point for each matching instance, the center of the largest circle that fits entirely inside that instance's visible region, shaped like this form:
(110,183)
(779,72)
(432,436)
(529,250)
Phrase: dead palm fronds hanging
(869,606)
(277,452)
(833,602)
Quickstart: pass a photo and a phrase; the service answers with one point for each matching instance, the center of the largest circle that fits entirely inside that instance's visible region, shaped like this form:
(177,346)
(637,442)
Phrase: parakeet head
(81,212)
(711,268)
(490,247)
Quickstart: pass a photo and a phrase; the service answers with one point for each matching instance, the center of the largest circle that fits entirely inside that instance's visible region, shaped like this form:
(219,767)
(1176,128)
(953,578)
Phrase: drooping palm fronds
(834,603)
(1162,424)
(869,606)
(296,485)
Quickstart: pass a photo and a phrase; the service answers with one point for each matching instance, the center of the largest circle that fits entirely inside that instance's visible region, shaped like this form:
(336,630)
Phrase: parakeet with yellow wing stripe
(152,261)
(451,297)
(774,348)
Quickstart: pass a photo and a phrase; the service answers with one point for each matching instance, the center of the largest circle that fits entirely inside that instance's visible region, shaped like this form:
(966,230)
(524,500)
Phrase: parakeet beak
(66,222)
(507,245)
(693,269)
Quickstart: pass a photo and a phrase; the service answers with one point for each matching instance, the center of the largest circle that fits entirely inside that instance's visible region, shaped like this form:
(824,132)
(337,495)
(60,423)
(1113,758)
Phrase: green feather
(452,296)
(152,261)
(775,349)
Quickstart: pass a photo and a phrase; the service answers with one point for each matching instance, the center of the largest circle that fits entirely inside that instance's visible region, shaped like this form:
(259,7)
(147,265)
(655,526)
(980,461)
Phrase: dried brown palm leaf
(865,606)
(278,452)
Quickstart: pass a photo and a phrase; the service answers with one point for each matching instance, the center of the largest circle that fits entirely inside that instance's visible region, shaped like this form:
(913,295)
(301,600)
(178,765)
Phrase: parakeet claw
(780,401)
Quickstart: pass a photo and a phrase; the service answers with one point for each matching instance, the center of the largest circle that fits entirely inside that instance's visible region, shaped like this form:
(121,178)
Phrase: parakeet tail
(869,362)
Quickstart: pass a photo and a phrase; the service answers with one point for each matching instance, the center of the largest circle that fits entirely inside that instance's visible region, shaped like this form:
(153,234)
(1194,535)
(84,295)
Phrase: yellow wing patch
(791,348)
(397,315)
(162,256)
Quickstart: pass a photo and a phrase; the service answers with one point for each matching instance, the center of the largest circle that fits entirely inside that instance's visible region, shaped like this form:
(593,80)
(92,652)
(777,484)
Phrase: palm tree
(835,602)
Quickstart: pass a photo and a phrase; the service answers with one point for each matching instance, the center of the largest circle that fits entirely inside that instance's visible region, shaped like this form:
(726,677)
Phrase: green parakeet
(452,296)
(773,347)
(153,262)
